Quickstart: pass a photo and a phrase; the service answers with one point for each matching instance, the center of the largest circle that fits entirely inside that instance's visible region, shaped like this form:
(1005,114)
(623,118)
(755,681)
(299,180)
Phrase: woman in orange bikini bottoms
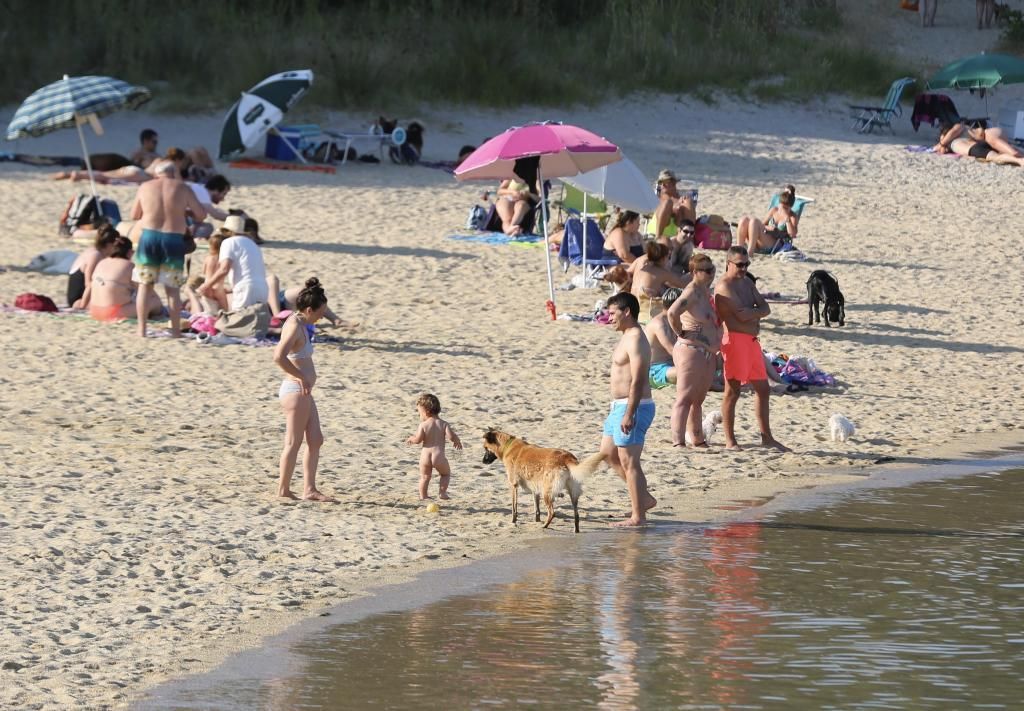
(112,296)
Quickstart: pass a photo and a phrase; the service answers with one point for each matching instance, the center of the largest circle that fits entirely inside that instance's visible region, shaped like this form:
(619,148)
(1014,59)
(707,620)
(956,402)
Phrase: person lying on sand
(287,299)
(130,173)
(980,142)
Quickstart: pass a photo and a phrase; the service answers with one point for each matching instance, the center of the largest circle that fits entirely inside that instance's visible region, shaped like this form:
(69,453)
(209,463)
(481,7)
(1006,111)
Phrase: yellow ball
(433,508)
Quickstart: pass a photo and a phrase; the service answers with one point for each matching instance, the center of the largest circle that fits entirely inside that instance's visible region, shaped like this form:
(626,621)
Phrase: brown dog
(540,471)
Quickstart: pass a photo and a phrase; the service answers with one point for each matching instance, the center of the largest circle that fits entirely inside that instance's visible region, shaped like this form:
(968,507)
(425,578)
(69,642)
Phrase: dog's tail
(585,468)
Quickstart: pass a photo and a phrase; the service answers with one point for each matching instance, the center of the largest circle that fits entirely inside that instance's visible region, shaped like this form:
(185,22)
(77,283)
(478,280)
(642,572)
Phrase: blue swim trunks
(644,418)
(160,256)
(659,375)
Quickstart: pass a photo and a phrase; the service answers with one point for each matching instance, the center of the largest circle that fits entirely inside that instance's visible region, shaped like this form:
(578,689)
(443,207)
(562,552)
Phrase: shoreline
(136,508)
(413,588)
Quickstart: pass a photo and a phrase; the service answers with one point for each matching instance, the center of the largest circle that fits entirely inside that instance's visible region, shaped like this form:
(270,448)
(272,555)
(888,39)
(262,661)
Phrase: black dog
(409,152)
(824,287)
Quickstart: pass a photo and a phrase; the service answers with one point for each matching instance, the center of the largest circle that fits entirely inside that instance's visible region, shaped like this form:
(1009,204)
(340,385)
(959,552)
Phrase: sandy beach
(140,536)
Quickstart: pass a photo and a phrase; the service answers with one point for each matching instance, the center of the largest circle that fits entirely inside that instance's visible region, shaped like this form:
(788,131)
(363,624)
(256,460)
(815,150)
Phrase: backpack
(81,211)
(477,219)
(35,302)
(712,232)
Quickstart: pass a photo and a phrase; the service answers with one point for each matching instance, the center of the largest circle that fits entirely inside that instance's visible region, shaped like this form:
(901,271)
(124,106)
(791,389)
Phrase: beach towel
(259,164)
(447,166)
(800,370)
(43,161)
(497,238)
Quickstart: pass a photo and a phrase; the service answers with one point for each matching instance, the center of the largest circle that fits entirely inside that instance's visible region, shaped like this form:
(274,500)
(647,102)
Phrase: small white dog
(709,425)
(842,428)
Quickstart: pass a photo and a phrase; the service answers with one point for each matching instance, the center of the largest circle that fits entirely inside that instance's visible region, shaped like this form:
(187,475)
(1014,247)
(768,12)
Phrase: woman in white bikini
(294,355)
(693,317)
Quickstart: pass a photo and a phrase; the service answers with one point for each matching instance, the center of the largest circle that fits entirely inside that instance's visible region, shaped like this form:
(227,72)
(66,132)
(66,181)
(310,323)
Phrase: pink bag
(706,236)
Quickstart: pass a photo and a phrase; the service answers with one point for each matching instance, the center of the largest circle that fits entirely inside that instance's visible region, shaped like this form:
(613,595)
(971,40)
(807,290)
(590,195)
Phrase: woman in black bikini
(624,239)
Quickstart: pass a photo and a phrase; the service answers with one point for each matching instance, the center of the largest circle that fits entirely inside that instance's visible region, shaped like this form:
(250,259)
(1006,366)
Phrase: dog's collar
(501,452)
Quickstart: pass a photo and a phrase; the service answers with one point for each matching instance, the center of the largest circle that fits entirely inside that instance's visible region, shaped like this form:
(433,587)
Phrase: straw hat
(667,176)
(235,224)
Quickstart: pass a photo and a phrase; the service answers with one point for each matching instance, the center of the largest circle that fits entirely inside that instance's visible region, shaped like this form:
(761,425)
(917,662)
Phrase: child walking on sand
(431,434)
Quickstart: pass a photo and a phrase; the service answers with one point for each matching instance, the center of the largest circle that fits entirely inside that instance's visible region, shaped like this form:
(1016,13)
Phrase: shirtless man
(146,152)
(662,338)
(632,409)
(159,211)
(672,207)
(741,307)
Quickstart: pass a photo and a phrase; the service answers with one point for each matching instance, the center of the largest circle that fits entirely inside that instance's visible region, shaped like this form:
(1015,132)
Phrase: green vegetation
(1012,36)
(382,53)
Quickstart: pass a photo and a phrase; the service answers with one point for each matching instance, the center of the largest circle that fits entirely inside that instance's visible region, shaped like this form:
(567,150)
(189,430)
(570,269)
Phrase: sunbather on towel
(130,173)
(515,200)
(281,299)
(980,142)
(761,237)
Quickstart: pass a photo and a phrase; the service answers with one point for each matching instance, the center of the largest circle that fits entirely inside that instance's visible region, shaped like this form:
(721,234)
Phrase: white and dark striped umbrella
(57,105)
(260,109)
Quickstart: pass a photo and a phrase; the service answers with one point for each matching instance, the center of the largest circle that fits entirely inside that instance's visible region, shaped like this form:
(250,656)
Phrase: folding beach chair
(865,118)
(570,252)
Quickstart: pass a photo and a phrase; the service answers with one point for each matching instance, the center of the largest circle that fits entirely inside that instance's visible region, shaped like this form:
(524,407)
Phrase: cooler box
(1012,123)
(276,147)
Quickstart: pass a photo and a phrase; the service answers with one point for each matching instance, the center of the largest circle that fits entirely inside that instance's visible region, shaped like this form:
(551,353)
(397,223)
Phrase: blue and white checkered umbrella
(70,102)
(57,105)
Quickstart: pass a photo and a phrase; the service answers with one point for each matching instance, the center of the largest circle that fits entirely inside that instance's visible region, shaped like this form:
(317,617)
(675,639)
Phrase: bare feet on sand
(444,497)
(629,523)
(649,503)
(287,495)
(315,495)
(775,444)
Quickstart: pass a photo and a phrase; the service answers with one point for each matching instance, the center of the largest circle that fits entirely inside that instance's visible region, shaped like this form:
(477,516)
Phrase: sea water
(877,598)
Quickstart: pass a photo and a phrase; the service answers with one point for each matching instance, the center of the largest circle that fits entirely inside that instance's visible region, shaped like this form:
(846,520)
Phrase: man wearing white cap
(242,257)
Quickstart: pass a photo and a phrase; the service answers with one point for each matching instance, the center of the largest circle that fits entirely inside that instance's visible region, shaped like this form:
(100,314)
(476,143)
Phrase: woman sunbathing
(515,200)
(980,142)
(761,237)
(130,173)
(625,239)
(113,291)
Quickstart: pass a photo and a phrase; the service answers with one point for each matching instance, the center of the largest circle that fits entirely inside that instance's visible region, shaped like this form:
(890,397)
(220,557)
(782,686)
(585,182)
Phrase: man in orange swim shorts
(741,307)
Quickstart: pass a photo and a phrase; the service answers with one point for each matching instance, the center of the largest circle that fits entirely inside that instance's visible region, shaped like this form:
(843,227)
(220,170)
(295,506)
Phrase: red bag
(712,232)
(35,302)
(909,5)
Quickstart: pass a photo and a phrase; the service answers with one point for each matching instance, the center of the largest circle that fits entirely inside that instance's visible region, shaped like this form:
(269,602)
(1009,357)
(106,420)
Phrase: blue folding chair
(799,203)
(570,252)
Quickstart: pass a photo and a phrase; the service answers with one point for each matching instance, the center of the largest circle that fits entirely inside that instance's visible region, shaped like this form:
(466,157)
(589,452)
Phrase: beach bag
(249,322)
(35,302)
(477,219)
(81,211)
(712,232)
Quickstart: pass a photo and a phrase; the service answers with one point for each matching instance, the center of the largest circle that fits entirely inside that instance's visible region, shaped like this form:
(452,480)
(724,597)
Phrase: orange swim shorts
(742,358)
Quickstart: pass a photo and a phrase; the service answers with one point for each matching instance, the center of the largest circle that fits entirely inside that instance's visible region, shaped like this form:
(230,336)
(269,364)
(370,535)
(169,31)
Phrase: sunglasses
(740,265)
(707,270)
(687,232)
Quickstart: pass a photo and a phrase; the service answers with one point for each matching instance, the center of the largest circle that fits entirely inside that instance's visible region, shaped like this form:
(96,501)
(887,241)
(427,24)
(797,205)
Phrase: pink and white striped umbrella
(563,150)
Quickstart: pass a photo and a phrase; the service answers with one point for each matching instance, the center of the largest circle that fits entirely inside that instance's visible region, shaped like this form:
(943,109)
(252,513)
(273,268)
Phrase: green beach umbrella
(260,109)
(982,71)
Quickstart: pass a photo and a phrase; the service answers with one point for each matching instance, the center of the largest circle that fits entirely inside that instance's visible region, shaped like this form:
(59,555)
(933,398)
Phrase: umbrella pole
(547,248)
(88,167)
(585,284)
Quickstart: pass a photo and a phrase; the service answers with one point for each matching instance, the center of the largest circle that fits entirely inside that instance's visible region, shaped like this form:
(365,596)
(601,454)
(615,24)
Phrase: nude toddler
(432,433)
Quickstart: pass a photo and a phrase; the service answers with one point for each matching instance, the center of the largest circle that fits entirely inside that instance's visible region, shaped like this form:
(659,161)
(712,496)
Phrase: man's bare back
(161,204)
(661,337)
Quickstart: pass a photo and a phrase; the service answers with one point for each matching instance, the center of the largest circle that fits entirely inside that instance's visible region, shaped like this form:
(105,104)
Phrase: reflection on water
(894,598)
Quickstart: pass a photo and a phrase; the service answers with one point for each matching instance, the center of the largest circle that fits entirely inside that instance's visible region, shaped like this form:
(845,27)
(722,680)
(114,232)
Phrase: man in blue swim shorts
(662,339)
(160,211)
(632,409)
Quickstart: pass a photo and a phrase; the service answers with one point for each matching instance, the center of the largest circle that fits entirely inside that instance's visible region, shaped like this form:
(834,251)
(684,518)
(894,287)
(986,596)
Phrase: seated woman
(113,291)
(80,274)
(217,301)
(514,203)
(624,239)
(130,173)
(980,142)
(651,277)
(761,237)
